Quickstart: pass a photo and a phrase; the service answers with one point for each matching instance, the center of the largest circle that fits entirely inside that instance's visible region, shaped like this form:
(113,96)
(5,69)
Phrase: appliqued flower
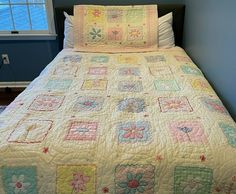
(133,184)
(95,33)
(18,184)
(96,13)
(79,182)
(133,132)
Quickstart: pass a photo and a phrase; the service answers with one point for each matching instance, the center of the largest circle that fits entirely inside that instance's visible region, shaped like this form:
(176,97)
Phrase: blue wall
(210,40)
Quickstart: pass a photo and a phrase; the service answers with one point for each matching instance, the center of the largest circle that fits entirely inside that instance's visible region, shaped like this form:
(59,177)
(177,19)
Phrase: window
(26,17)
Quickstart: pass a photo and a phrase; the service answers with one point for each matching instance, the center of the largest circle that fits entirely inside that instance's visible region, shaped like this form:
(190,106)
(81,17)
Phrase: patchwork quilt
(120,123)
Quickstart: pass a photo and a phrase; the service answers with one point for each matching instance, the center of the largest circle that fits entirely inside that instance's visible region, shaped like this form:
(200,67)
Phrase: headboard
(178,20)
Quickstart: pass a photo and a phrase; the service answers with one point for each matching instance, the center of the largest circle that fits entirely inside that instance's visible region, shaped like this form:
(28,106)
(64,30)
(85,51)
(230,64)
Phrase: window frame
(49,34)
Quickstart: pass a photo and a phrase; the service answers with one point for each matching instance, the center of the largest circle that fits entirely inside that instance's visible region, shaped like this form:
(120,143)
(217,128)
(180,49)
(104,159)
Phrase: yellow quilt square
(76,179)
(96,14)
(94,84)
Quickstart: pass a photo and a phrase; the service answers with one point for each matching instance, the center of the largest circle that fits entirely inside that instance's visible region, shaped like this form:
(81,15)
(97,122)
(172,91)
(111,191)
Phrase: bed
(124,123)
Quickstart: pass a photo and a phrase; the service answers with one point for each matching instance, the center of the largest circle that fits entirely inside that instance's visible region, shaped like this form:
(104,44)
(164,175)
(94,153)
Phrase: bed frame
(178,20)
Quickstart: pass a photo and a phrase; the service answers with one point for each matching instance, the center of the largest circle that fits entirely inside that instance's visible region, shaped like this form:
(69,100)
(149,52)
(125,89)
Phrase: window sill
(28,36)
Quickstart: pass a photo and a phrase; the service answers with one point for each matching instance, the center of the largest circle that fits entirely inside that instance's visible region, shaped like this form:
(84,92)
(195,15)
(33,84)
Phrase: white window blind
(26,17)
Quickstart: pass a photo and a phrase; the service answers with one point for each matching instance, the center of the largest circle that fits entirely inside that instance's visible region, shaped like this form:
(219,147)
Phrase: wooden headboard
(178,20)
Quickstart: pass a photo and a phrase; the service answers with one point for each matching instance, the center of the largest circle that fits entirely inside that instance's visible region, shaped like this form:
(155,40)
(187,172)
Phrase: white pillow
(68,31)
(166,35)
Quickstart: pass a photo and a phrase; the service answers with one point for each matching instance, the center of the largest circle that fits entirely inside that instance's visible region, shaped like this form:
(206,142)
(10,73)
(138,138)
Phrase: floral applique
(79,182)
(133,105)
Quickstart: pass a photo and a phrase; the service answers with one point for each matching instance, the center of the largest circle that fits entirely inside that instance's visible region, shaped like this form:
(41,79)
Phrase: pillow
(166,35)
(68,31)
(115,28)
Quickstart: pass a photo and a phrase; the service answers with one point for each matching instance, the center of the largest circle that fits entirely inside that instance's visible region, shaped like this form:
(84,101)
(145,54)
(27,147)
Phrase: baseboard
(23,84)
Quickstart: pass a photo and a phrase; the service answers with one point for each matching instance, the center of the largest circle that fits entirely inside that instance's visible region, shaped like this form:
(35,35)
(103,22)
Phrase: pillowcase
(166,35)
(115,28)
(68,31)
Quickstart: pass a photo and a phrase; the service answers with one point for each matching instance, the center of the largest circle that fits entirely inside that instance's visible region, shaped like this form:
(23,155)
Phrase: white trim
(14,84)
(28,36)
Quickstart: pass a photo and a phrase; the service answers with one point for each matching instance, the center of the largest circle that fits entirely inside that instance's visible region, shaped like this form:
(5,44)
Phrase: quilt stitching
(130,86)
(82,130)
(134,179)
(76,179)
(30,131)
(192,180)
(174,104)
(47,103)
(230,133)
(88,103)
(19,179)
(132,132)
(132,105)
(166,85)
(188,131)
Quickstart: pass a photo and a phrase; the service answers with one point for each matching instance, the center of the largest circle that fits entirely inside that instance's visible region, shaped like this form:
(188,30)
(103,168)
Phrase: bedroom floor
(7,96)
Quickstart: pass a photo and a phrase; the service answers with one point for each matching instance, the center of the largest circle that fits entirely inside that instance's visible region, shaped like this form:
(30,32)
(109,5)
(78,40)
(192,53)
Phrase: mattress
(125,123)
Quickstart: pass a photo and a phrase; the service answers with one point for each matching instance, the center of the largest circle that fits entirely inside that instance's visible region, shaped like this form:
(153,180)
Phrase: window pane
(5,18)
(4,1)
(35,1)
(38,16)
(21,17)
(17,1)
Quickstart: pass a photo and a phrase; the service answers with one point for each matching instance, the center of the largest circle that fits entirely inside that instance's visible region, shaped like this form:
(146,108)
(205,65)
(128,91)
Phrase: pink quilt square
(183,59)
(188,131)
(81,130)
(97,71)
(115,34)
(174,104)
(47,102)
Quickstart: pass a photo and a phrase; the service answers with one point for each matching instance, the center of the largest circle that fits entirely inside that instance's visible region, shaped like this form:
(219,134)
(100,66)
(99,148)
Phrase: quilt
(115,28)
(122,123)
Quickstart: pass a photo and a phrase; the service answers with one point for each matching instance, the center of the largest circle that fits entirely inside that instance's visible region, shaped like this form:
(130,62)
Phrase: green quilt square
(192,180)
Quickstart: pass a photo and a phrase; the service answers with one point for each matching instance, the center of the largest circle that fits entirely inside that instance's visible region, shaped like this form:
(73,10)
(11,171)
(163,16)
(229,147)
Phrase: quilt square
(188,131)
(134,15)
(135,33)
(94,84)
(65,70)
(115,34)
(166,85)
(19,179)
(114,15)
(72,58)
(160,70)
(127,71)
(201,85)
(155,58)
(127,59)
(95,14)
(58,84)
(214,105)
(97,71)
(81,130)
(190,70)
(47,102)
(230,133)
(88,103)
(99,59)
(192,180)
(30,131)
(134,179)
(174,104)
(96,34)
(130,86)
(76,179)
(183,59)
(132,105)
(132,132)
